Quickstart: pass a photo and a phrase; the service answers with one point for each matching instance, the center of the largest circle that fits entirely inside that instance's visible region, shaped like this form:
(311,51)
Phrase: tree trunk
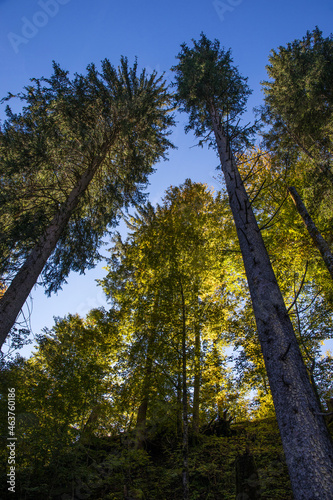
(317,238)
(185,475)
(305,437)
(17,293)
(141,420)
(179,419)
(197,378)
(247,479)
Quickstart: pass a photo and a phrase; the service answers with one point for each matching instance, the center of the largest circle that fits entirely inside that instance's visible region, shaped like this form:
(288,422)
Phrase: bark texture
(25,279)
(316,236)
(306,441)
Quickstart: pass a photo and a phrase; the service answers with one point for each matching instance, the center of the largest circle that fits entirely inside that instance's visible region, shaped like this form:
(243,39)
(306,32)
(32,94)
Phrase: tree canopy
(64,124)
(205,375)
(205,77)
(298,99)
(79,152)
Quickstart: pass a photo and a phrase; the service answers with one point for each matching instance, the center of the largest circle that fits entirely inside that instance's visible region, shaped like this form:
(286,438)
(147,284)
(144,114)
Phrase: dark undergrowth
(110,468)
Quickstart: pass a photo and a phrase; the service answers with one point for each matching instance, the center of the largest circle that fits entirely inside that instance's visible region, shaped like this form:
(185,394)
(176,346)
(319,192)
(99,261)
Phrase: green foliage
(110,467)
(298,95)
(90,381)
(298,109)
(62,395)
(206,79)
(81,391)
(175,249)
(116,118)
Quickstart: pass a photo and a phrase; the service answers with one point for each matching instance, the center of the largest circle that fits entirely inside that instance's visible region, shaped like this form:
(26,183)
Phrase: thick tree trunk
(305,437)
(317,238)
(17,293)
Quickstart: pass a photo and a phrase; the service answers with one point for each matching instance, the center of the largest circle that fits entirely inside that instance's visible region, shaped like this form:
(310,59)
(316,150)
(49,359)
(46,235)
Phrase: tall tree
(305,284)
(214,94)
(266,180)
(299,99)
(298,108)
(85,148)
(164,279)
(67,394)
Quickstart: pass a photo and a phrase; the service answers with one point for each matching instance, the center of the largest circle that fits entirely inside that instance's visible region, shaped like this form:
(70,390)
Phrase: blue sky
(75,33)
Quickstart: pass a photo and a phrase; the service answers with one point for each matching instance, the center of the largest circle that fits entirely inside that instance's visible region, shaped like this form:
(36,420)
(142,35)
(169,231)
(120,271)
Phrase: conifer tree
(214,94)
(299,99)
(298,109)
(79,152)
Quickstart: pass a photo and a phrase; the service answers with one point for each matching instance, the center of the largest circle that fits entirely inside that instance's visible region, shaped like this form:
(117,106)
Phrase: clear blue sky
(75,33)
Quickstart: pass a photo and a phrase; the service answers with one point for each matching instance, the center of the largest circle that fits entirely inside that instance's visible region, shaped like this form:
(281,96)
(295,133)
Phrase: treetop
(206,79)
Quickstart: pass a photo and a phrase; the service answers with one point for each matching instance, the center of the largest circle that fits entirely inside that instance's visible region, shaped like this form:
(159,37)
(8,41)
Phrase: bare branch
(300,288)
(265,226)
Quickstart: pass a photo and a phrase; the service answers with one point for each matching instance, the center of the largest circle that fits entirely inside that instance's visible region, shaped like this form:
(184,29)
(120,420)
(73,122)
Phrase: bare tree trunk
(317,238)
(88,427)
(247,479)
(141,421)
(179,424)
(197,378)
(185,475)
(305,437)
(17,293)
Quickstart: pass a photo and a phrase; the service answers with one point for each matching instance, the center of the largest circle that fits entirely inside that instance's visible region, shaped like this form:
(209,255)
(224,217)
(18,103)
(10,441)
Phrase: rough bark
(305,437)
(317,238)
(25,279)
